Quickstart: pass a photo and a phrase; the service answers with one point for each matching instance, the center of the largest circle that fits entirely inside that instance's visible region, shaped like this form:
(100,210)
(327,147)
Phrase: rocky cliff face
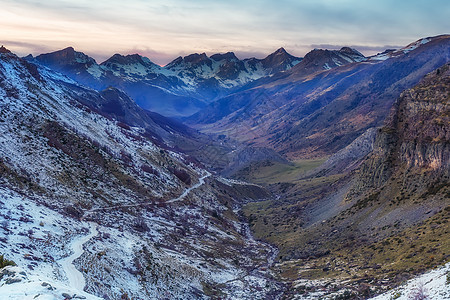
(423,115)
(416,137)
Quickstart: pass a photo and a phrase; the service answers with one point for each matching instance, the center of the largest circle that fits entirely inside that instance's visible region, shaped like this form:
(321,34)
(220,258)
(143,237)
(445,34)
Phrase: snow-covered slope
(82,190)
(226,70)
(433,285)
(36,238)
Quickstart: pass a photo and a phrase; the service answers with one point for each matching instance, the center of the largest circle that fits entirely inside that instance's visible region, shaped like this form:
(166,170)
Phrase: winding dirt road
(201,181)
(75,277)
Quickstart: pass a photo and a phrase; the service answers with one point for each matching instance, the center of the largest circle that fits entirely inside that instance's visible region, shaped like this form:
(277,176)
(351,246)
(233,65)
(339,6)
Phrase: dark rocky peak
(322,59)
(280,51)
(280,60)
(67,56)
(231,70)
(316,54)
(252,63)
(119,59)
(229,56)
(177,61)
(196,58)
(351,54)
(321,54)
(350,51)
(4,50)
(69,51)
(279,54)
(252,60)
(192,60)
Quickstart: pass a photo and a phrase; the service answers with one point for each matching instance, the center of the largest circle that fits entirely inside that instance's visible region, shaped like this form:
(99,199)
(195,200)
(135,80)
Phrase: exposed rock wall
(415,141)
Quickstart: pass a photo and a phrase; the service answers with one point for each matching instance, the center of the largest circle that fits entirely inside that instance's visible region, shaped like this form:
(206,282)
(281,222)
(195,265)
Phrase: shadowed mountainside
(312,112)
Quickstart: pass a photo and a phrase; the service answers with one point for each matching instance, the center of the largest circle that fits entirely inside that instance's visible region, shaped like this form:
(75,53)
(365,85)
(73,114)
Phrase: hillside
(368,228)
(338,166)
(89,202)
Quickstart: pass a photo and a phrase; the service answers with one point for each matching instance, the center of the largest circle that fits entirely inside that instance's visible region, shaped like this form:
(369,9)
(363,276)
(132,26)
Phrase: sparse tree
(419,293)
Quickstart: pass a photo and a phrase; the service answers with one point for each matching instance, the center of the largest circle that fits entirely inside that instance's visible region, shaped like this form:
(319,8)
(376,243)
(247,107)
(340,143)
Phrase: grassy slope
(338,250)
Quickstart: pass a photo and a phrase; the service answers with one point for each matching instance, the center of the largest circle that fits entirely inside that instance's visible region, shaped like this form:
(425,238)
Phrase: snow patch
(434,284)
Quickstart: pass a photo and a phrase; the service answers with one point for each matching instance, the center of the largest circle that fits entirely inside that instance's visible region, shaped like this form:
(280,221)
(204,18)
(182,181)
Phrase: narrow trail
(179,198)
(75,277)
(201,181)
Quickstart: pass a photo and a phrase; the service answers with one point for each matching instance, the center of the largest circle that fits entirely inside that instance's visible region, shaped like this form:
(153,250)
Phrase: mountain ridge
(293,111)
(181,87)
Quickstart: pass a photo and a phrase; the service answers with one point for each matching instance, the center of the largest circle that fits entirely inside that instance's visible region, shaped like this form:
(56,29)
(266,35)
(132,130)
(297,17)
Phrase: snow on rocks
(15,284)
(433,285)
(35,238)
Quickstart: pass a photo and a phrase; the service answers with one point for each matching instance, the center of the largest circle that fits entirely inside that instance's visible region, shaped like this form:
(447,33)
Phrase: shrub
(396,295)
(149,169)
(181,174)
(141,226)
(5,262)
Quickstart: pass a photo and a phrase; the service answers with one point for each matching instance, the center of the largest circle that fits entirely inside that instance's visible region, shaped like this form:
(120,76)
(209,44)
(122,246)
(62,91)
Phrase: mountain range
(322,104)
(180,88)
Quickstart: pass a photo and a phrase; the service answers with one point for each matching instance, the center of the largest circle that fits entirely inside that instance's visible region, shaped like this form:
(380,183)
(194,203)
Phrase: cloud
(165,29)
(364,49)
(24,48)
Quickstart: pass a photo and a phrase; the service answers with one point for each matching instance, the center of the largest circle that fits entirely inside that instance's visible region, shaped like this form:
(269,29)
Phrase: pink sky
(163,30)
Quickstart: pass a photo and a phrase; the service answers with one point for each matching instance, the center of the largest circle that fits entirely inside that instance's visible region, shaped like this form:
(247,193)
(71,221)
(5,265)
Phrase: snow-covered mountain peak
(195,78)
(196,59)
(350,51)
(324,59)
(389,53)
(280,60)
